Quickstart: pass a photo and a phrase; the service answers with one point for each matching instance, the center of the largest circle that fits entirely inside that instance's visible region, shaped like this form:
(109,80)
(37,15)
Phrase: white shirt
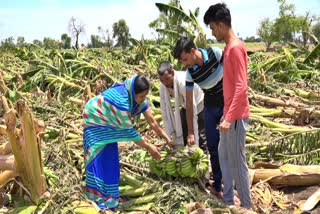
(170,116)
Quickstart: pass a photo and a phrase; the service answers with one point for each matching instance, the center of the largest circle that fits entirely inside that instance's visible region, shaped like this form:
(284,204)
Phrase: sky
(36,19)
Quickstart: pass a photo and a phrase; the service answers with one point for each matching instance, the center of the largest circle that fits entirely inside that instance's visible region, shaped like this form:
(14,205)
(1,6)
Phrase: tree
(66,41)
(285,9)
(250,39)
(121,32)
(76,27)
(284,24)
(302,26)
(287,27)
(49,43)
(20,41)
(8,43)
(266,32)
(96,42)
(292,28)
(37,42)
(175,22)
(166,21)
(305,26)
(105,37)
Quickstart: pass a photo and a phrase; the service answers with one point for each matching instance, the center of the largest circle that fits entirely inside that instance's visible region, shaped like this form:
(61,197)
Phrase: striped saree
(106,121)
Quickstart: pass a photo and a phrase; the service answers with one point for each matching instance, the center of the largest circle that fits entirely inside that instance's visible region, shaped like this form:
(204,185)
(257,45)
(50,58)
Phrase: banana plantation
(41,149)
(43,92)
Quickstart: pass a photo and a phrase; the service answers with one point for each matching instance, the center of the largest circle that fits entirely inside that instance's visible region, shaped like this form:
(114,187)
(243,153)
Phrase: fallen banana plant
(277,126)
(25,146)
(310,203)
(297,148)
(270,101)
(287,175)
(265,197)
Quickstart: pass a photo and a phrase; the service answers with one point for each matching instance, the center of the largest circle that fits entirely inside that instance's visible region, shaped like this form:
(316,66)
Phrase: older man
(174,116)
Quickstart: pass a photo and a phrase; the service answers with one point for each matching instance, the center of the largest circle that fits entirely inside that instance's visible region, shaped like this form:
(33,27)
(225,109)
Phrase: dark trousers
(201,129)
(212,120)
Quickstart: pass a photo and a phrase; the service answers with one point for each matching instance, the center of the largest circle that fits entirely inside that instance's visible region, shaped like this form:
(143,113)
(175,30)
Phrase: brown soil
(296,194)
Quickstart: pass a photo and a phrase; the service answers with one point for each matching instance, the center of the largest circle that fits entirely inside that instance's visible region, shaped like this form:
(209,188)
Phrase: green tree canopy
(96,42)
(266,32)
(121,33)
(174,22)
(288,27)
(21,41)
(37,42)
(66,41)
(8,43)
(49,43)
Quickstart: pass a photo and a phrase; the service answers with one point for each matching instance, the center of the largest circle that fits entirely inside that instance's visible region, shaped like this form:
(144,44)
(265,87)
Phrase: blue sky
(35,19)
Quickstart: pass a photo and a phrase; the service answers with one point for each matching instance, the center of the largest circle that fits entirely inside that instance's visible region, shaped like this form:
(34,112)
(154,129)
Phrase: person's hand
(224,127)
(190,139)
(170,143)
(154,151)
(221,119)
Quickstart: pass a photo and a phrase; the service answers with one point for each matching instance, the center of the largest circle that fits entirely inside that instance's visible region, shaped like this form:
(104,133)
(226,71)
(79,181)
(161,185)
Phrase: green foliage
(283,28)
(266,32)
(66,41)
(288,27)
(250,39)
(175,22)
(299,148)
(37,43)
(66,73)
(7,44)
(121,32)
(95,42)
(313,55)
(20,41)
(49,43)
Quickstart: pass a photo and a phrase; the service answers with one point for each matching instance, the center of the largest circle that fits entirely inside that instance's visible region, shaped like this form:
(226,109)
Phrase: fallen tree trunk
(288,175)
(278,126)
(270,101)
(283,112)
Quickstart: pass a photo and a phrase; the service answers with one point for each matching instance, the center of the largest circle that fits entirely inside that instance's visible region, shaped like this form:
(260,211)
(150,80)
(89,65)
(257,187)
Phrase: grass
(251,46)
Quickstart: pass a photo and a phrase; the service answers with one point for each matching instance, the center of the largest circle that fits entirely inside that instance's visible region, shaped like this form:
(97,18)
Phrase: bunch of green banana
(185,167)
(181,162)
(159,166)
(170,166)
(195,153)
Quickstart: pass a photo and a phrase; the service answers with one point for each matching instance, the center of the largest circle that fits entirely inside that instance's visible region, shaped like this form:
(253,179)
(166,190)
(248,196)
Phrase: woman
(107,120)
